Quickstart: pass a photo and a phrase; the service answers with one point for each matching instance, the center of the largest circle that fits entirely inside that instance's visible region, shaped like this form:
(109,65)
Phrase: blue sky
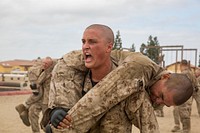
(39,28)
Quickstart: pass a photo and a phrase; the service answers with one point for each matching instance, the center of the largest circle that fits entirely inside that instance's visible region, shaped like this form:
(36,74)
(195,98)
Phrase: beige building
(175,67)
(13,74)
(15,65)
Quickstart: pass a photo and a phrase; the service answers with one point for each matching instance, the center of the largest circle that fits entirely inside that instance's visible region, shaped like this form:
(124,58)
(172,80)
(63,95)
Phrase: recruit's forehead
(95,31)
(100,31)
(93,34)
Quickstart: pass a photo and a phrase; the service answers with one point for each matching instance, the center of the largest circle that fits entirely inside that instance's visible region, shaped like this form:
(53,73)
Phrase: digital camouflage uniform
(67,81)
(68,77)
(103,108)
(159,111)
(33,103)
(182,114)
(196,95)
(40,102)
(33,74)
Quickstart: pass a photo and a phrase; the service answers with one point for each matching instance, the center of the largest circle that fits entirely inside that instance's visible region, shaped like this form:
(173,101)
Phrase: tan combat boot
(25,118)
(186,126)
(23,113)
(20,108)
(176,128)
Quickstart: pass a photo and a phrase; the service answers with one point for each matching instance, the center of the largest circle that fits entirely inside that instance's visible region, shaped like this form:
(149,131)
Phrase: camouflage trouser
(34,98)
(159,111)
(196,96)
(185,113)
(34,112)
(176,115)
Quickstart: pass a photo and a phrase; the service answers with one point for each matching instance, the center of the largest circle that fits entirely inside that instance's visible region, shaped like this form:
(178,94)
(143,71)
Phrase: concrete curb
(10,93)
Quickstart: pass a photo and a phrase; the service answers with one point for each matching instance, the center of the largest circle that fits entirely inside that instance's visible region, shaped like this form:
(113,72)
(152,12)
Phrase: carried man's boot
(23,113)
(20,108)
(176,128)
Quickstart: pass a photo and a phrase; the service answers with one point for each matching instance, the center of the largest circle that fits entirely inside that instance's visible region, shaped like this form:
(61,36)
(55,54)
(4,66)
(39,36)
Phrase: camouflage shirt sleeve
(34,72)
(66,86)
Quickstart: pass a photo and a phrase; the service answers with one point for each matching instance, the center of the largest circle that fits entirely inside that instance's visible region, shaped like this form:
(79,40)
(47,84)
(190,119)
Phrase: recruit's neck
(99,73)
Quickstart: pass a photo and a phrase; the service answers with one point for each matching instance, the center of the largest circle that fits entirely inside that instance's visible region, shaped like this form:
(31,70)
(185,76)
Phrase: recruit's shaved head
(106,31)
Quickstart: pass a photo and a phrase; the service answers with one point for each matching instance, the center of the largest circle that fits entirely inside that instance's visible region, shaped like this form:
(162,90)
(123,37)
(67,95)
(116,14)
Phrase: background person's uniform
(37,92)
(159,111)
(196,95)
(43,83)
(33,75)
(182,113)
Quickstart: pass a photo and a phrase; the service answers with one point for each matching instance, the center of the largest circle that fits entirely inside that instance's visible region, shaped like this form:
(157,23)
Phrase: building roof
(178,62)
(17,62)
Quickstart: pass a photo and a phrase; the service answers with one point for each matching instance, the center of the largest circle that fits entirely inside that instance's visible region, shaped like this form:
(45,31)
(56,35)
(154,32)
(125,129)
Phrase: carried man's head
(47,62)
(172,89)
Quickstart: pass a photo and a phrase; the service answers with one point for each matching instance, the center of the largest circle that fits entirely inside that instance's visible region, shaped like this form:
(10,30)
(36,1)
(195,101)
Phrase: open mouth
(88,57)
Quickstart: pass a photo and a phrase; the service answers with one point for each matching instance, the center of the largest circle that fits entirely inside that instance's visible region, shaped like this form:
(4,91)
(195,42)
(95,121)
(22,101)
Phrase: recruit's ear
(109,47)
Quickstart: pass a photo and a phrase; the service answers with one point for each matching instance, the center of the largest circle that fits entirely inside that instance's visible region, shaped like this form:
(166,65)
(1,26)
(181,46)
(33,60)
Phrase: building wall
(13,68)
(19,68)
(15,78)
(176,67)
(5,69)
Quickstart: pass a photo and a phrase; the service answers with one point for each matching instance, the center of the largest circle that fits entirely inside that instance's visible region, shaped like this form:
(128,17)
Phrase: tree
(118,41)
(132,49)
(151,49)
(142,49)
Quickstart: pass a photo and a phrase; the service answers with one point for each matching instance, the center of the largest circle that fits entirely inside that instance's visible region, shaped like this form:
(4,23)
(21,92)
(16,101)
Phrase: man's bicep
(66,86)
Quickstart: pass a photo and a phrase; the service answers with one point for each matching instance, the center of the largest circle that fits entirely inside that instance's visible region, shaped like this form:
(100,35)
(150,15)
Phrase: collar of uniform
(156,78)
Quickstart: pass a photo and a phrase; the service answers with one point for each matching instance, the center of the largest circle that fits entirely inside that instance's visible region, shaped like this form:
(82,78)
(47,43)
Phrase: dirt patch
(11,123)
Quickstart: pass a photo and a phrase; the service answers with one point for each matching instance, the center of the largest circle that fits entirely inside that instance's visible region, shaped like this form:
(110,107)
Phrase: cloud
(40,25)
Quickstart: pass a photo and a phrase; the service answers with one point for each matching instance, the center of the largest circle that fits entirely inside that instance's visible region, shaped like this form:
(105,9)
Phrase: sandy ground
(11,123)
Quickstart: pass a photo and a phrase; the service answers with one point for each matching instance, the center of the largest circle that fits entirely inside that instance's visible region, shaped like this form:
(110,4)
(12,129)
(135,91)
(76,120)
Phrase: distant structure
(15,65)
(179,50)
(13,74)
(175,67)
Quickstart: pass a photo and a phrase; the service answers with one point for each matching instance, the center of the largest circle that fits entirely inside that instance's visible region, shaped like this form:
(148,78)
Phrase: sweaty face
(95,48)
(160,95)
